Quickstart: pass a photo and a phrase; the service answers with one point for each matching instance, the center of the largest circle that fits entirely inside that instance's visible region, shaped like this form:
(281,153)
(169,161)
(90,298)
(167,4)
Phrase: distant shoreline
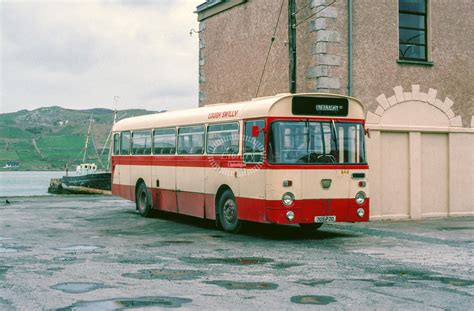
(29,170)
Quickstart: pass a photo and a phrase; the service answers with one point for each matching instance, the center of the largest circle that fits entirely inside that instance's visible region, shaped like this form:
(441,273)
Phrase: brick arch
(388,105)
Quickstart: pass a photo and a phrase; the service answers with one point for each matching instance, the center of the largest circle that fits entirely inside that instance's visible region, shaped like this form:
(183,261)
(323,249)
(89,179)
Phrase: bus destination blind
(314,106)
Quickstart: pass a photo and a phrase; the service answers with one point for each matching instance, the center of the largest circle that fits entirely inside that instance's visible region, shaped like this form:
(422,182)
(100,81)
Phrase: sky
(80,54)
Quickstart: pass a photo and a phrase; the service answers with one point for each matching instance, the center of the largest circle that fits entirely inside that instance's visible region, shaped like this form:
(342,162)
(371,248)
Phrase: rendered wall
(233,49)
(421,158)
(450,40)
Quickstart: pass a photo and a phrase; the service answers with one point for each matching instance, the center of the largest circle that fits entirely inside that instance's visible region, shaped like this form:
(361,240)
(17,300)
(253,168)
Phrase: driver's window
(254,146)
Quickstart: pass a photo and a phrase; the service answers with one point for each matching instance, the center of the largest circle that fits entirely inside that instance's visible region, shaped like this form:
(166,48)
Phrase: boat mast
(87,140)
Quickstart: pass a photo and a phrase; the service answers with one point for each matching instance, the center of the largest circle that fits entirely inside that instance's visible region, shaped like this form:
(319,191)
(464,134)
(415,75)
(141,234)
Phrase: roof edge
(214,7)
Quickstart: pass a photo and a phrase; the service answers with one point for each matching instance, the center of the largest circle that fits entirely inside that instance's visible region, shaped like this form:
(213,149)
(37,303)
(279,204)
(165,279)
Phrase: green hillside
(59,135)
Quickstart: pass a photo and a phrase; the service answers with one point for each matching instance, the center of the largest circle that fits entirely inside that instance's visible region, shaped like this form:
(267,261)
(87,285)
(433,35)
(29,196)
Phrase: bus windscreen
(315,142)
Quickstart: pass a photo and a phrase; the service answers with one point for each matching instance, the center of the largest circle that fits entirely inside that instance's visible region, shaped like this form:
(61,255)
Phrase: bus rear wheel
(228,216)
(143,200)
(310,227)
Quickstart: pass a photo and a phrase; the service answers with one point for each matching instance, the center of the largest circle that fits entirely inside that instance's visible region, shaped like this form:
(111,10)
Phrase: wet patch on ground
(421,275)
(312,300)
(138,261)
(13,249)
(177,242)
(4,303)
(285,265)
(50,271)
(3,271)
(314,282)
(454,228)
(210,295)
(227,261)
(77,287)
(80,248)
(67,259)
(55,269)
(234,285)
(168,242)
(165,274)
(129,303)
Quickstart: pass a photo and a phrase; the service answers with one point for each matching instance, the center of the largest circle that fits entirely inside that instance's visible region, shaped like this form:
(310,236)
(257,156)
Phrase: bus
(285,159)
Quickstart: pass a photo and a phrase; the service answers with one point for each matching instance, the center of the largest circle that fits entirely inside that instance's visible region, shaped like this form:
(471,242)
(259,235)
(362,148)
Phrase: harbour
(26,183)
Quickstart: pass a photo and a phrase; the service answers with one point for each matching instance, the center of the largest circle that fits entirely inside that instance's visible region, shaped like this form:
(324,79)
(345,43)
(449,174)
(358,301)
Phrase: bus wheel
(143,200)
(310,227)
(228,216)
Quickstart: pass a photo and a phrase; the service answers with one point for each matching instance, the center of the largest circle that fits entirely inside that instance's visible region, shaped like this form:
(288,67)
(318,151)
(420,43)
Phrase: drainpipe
(292,44)
(349,47)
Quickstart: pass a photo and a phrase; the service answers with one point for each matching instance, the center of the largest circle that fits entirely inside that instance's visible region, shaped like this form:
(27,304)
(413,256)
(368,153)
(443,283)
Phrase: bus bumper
(310,211)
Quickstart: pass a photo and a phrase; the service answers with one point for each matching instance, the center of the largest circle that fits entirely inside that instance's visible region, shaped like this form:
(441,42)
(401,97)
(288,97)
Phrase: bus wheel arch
(219,193)
(143,201)
(226,210)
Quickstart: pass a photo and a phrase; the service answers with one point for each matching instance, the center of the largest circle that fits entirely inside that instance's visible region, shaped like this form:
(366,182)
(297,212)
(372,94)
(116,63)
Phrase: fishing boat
(86,179)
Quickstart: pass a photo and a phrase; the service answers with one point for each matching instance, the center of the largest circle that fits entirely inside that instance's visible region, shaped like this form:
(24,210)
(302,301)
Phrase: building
(409,61)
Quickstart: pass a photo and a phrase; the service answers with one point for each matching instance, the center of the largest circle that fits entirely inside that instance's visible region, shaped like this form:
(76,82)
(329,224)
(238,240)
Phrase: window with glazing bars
(412,23)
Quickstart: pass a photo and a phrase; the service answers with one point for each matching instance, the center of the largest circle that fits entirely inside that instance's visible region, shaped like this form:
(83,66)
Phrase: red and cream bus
(285,159)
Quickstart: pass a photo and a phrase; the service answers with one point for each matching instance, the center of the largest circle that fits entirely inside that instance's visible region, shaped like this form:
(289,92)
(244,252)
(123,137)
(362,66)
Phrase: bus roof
(278,105)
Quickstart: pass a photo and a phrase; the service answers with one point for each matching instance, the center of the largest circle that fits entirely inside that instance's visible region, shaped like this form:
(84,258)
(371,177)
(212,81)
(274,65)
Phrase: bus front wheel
(310,227)
(143,200)
(228,216)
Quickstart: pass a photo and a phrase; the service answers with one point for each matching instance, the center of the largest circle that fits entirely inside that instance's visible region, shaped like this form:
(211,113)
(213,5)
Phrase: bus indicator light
(362,184)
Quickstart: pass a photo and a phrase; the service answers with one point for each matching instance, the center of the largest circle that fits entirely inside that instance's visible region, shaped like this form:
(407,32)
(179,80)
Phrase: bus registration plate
(325,219)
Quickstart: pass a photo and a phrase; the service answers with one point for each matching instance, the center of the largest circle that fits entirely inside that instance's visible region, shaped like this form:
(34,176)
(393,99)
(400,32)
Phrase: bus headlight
(360,197)
(360,212)
(290,215)
(287,198)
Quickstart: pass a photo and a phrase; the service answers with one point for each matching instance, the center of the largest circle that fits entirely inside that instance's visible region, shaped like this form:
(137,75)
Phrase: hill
(48,138)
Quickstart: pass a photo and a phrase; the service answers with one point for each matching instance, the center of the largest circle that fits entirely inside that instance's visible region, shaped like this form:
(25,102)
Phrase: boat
(87,180)
(88,177)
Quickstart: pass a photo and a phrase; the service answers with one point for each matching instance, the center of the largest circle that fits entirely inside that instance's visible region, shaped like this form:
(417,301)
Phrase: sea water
(26,183)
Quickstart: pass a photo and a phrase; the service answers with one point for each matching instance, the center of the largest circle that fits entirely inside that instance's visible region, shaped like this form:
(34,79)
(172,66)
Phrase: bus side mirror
(367,132)
(255,131)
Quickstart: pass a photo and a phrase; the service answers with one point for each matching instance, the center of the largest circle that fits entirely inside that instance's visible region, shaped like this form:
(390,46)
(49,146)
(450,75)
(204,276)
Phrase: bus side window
(223,138)
(191,140)
(125,143)
(254,146)
(141,142)
(116,143)
(164,141)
